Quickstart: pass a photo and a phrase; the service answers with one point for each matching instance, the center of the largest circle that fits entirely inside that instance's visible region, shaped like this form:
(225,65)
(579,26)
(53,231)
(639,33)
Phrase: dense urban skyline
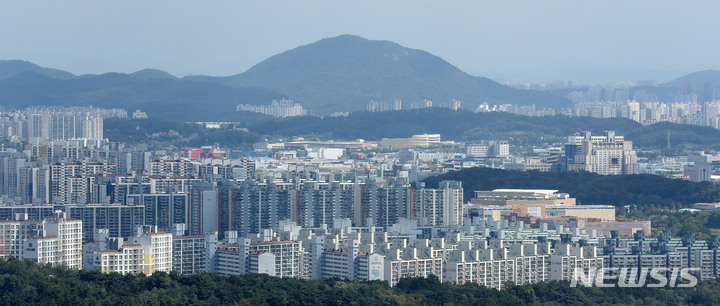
(377,162)
(523,40)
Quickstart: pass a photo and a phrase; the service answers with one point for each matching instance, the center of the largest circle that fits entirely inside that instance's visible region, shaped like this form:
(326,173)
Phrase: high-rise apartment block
(283,108)
(146,253)
(608,154)
(57,240)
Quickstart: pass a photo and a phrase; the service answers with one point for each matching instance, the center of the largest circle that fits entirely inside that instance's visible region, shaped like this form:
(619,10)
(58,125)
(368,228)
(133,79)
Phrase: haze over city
(583,42)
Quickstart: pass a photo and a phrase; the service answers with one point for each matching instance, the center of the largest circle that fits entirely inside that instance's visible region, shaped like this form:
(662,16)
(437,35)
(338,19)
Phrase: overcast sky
(580,41)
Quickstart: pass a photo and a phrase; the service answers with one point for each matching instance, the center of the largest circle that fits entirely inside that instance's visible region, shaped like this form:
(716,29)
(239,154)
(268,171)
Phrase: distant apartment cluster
(694,113)
(281,109)
(71,125)
(646,112)
(524,110)
(396,105)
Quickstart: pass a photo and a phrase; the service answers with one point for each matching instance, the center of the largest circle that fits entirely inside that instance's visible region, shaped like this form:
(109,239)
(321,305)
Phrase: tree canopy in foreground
(24,282)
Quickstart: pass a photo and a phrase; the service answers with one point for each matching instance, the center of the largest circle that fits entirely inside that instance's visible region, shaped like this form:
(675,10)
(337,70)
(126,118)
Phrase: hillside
(335,74)
(186,134)
(695,79)
(346,72)
(155,92)
(9,68)
(468,126)
(589,188)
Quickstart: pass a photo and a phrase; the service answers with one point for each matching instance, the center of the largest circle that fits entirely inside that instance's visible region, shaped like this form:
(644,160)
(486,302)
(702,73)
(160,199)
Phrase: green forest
(24,282)
(679,223)
(589,188)
(175,132)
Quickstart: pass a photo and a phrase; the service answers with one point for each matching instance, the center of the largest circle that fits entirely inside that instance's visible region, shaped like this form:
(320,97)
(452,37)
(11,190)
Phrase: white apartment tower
(56,241)
(147,253)
(607,155)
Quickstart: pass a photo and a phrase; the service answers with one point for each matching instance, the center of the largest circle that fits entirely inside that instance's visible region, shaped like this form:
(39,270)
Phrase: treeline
(468,126)
(680,223)
(589,188)
(178,133)
(24,282)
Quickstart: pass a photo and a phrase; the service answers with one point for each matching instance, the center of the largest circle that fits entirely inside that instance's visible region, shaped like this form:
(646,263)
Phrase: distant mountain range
(695,79)
(346,72)
(161,97)
(335,74)
(701,86)
(14,67)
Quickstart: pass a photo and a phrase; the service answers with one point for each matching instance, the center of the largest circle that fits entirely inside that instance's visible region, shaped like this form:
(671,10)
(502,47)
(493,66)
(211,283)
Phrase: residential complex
(283,108)
(72,125)
(56,240)
(315,209)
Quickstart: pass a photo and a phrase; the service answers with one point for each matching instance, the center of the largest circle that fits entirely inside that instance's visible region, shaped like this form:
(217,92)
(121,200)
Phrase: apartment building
(56,241)
(146,253)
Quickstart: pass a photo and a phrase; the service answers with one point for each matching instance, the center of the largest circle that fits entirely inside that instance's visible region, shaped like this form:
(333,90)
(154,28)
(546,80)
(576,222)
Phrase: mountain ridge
(160,97)
(696,79)
(9,68)
(354,69)
(342,73)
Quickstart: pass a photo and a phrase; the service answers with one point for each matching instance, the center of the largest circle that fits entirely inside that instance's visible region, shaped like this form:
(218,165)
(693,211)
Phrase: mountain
(335,74)
(701,86)
(696,79)
(346,72)
(150,91)
(147,74)
(9,68)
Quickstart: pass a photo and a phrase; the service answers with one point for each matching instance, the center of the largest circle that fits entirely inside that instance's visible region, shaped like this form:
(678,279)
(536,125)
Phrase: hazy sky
(582,41)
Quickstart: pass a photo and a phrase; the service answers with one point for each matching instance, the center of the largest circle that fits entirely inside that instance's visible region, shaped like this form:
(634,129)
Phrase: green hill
(468,126)
(335,74)
(589,188)
(151,91)
(9,68)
